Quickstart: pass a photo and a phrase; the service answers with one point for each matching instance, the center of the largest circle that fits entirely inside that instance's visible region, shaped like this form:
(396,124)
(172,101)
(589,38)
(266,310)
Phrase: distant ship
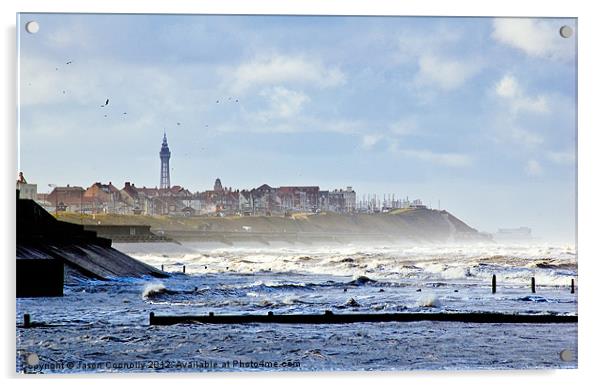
(513,234)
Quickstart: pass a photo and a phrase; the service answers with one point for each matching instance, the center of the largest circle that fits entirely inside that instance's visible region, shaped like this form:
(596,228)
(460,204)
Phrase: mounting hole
(566,355)
(33,359)
(32,27)
(566,32)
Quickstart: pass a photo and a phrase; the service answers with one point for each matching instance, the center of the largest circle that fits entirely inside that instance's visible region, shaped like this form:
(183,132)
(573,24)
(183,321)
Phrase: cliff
(419,225)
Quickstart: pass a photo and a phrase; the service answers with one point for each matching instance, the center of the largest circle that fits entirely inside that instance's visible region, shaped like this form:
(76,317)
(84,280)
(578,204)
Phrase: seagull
(236,100)
(217,101)
(178,123)
(125,113)
(105,115)
(63,91)
(69,62)
(106,103)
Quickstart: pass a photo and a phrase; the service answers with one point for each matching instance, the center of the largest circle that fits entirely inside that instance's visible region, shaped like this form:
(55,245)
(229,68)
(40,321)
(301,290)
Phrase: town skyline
(453,109)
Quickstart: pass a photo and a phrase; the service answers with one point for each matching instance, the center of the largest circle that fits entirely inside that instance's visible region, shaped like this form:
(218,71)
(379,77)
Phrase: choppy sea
(103,326)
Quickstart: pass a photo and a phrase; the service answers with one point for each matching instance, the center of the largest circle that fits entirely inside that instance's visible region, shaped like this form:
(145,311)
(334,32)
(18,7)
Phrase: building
(298,198)
(164,154)
(26,191)
(67,198)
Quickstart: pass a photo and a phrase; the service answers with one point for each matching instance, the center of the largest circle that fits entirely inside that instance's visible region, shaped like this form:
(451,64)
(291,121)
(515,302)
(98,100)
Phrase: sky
(477,114)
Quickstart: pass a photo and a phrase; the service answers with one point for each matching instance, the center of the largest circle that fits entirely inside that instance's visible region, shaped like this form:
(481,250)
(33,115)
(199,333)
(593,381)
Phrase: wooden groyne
(331,318)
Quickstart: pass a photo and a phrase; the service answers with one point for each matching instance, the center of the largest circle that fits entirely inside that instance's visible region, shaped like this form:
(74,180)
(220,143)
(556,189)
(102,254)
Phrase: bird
(178,123)
(63,91)
(236,100)
(69,62)
(106,103)
(105,115)
(125,113)
(217,101)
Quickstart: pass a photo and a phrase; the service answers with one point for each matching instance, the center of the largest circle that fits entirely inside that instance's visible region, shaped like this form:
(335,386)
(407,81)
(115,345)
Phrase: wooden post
(532,284)
(26,320)
(151,318)
(493,284)
(184,269)
(572,285)
(162,268)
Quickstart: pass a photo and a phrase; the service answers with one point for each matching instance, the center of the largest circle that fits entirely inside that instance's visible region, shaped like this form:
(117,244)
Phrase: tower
(164,154)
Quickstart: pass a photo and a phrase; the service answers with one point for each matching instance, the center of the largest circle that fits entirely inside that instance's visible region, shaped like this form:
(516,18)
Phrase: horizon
(479,113)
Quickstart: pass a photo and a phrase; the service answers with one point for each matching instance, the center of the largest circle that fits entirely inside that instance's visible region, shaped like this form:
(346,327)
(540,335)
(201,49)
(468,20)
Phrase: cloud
(440,158)
(404,127)
(533,168)
(509,90)
(284,103)
(370,140)
(564,158)
(279,69)
(537,38)
(445,73)
(525,137)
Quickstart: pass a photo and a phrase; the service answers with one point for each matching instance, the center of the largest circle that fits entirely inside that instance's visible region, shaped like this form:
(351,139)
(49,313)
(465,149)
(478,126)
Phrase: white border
(589,108)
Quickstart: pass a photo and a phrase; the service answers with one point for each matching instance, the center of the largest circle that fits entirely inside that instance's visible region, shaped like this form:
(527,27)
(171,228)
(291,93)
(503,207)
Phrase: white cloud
(284,103)
(370,140)
(446,159)
(565,158)
(511,91)
(533,168)
(445,73)
(525,137)
(404,127)
(507,87)
(538,38)
(279,69)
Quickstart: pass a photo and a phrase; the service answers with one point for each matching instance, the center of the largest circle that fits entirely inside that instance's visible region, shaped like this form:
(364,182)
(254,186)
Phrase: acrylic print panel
(282,193)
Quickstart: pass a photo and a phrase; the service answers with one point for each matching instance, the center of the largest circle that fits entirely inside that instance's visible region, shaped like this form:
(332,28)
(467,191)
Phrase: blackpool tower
(164,154)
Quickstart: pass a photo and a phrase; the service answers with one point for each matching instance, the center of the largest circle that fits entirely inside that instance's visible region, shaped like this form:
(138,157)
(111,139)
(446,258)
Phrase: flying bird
(178,123)
(217,101)
(69,62)
(106,103)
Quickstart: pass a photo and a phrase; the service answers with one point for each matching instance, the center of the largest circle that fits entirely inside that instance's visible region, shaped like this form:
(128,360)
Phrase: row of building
(176,200)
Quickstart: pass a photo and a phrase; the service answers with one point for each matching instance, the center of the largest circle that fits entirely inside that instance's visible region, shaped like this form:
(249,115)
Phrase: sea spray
(429,301)
(153,289)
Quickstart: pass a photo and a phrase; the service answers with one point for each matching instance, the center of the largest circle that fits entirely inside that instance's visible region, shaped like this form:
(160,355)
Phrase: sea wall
(43,240)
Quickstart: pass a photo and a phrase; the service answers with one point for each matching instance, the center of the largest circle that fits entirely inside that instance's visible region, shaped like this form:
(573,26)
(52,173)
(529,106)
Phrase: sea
(103,326)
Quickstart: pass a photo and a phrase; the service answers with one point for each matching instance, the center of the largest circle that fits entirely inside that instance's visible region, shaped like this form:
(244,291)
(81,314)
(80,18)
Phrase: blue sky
(478,113)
